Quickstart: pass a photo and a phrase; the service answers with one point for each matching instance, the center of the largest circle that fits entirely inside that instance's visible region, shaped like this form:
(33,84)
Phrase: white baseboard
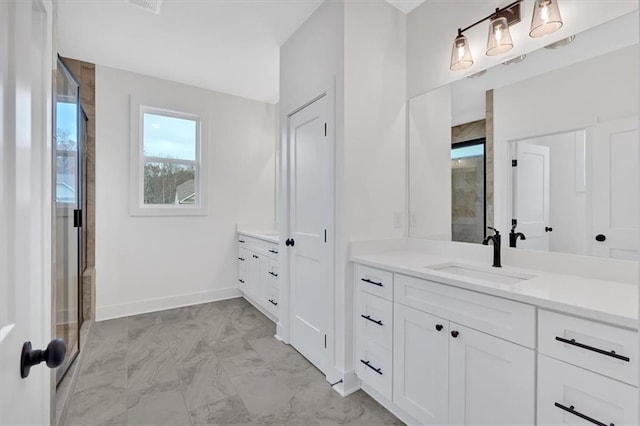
(163,303)
(350,384)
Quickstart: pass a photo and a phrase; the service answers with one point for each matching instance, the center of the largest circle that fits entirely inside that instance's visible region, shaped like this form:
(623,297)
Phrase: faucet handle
(494,230)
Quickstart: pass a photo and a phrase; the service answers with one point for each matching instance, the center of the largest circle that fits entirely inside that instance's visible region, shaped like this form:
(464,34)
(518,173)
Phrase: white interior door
(25,206)
(616,190)
(531,194)
(311,210)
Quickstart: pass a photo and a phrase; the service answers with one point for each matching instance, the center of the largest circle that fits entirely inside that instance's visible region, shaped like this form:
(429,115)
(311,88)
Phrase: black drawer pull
(273,303)
(612,354)
(255,257)
(573,411)
(368,364)
(273,251)
(241,280)
(241,259)
(273,273)
(367,317)
(367,280)
(241,241)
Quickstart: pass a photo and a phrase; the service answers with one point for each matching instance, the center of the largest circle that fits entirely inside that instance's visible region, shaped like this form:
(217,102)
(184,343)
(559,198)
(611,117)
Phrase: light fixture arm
(493,15)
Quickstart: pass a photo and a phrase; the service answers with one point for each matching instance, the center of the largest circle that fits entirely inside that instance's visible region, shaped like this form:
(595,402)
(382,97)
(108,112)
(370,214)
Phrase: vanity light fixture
(499,40)
(546,18)
(460,53)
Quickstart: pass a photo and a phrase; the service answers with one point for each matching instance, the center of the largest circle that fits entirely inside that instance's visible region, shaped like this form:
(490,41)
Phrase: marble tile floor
(214,364)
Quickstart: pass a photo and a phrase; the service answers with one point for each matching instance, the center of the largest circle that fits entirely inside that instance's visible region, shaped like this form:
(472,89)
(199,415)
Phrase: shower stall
(70,136)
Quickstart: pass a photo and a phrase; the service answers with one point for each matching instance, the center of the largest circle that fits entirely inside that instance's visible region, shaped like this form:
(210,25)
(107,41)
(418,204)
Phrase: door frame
(283,332)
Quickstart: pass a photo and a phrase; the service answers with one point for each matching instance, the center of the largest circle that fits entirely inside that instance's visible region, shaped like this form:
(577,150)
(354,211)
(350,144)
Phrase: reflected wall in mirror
(545,149)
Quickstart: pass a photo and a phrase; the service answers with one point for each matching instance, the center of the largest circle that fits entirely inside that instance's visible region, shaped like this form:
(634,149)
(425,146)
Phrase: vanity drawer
(274,250)
(509,320)
(373,367)
(590,344)
(375,281)
(374,320)
(259,246)
(562,386)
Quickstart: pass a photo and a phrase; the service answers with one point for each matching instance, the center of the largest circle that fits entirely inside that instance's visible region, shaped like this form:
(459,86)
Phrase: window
(167,156)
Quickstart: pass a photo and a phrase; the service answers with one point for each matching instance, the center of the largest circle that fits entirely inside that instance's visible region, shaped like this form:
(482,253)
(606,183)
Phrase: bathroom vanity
(258,253)
(445,341)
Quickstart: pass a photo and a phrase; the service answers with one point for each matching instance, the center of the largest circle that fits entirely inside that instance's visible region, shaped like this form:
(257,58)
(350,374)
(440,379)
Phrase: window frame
(137,205)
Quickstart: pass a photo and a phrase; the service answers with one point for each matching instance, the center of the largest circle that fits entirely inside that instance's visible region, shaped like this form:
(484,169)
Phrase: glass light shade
(461,54)
(546,18)
(499,40)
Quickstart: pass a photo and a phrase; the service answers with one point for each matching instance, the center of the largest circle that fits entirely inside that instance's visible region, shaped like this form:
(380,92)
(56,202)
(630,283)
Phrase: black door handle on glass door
(53,356)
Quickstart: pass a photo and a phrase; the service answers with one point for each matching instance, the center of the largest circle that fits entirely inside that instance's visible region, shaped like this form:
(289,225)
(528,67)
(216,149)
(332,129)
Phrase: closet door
(310,215)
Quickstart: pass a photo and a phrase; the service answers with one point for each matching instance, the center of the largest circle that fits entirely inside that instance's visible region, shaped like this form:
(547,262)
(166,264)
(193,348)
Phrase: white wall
(432,26)
(575,97)
(152,263)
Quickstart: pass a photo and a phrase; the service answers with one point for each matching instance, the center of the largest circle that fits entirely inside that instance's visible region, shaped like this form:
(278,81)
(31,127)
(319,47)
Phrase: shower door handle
(77,218)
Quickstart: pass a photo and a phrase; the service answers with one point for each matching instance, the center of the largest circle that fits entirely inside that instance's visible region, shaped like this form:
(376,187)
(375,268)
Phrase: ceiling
(228,46)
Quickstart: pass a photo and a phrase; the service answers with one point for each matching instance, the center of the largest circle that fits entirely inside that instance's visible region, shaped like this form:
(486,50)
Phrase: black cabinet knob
(455,334)
(290,242)
(439,327)
(53,356)
(601,238)
(548,229)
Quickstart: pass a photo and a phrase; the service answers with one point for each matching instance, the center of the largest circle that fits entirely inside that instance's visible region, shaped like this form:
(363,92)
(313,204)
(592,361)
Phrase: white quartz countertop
(270,235)
(608,301)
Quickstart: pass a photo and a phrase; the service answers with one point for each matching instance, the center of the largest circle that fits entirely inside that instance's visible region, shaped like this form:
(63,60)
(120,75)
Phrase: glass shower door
(68,194)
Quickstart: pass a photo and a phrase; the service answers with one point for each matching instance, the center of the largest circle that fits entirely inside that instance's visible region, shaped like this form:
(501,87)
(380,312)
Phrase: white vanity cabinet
(448,373)
(437,354)
(258,273)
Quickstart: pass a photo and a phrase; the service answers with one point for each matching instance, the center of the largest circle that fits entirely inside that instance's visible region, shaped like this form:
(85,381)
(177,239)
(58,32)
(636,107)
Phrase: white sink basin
(494,275)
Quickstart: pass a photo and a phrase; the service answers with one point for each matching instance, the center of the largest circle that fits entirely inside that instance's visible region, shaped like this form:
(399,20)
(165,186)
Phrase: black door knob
(601,237)
(53,356)
(439,327)
(454,334)
(548,229)
(290,242)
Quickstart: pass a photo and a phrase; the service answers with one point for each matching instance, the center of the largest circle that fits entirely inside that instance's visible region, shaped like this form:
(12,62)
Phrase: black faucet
(496,238)
(513,235)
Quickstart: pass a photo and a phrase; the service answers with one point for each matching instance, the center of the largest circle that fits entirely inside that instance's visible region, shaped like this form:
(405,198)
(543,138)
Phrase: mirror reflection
(543,147)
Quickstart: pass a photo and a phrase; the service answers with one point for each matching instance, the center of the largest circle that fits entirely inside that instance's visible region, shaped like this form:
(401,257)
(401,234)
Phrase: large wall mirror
(543,147)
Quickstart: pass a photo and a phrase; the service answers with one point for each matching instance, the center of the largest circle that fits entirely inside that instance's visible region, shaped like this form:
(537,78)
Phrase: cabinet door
(567,394)
(269,273)
(420,359)
(243,261)
(491,381)
(257,270)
